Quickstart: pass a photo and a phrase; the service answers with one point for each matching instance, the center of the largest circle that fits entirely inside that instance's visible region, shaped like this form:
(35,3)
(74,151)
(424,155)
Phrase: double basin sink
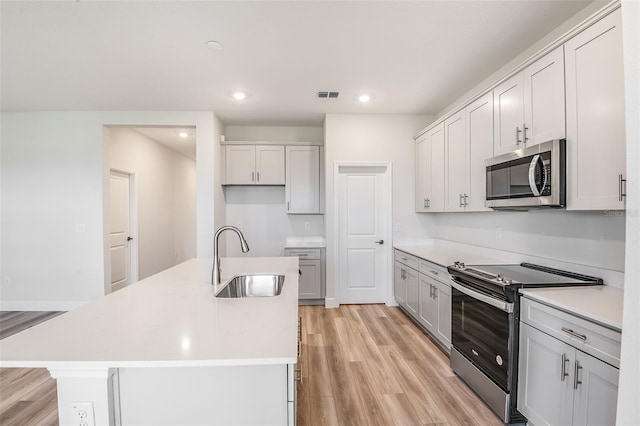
(258,285)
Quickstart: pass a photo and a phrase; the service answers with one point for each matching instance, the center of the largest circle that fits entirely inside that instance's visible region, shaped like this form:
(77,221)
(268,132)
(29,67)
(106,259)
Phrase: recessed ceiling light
(183,135)
(239,96)
(215,45)
(364,98)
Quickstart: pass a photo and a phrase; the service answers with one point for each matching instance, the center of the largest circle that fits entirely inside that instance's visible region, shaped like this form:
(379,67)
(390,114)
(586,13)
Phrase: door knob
(129,238)
(379,242)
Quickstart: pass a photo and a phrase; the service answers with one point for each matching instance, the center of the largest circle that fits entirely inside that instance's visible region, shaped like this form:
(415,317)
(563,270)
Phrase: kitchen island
(165,351)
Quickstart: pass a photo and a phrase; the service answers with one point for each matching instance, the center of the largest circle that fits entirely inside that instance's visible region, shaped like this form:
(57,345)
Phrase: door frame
(387,177)
(133,227)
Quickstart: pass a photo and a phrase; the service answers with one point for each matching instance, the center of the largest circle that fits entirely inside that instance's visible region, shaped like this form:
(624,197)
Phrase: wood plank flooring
(361,365)
(370,365)
(27,395)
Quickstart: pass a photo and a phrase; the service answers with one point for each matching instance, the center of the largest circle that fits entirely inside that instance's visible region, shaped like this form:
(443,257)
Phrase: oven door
(480,330)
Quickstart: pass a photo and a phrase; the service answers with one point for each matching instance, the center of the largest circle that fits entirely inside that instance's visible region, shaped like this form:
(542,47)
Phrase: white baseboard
(331,302)
(39,305)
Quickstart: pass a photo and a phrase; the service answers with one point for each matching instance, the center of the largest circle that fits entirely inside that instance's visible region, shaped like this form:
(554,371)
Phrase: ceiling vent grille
(328,95)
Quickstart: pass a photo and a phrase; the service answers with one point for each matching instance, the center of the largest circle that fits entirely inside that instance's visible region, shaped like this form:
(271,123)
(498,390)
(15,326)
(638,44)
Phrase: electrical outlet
(307,225)
(82,414)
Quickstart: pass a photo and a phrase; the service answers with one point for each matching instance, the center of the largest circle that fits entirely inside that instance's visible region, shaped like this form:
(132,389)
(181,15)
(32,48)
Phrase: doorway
(363,212)
(122,248)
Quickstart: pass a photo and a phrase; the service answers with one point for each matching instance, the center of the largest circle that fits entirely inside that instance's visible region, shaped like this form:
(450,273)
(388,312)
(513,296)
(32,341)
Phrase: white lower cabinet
(311,267)
(422,291)
(558,384)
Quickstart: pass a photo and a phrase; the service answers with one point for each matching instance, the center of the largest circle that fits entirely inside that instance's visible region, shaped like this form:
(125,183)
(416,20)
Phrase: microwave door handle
(532,175)
(503,306)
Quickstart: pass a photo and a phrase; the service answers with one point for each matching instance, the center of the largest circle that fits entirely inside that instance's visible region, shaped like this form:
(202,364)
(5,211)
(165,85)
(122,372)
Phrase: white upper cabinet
(254,164)
(595,117)
(529,107)
(430,171)
(544,111)
(479,118)
(302,187)
(468,142)
(270,165)
(508,115)
(457,163)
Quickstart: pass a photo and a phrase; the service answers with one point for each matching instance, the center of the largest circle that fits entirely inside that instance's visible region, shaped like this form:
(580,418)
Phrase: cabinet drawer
(432,270)
(594,339)
(303,253)
(406,259)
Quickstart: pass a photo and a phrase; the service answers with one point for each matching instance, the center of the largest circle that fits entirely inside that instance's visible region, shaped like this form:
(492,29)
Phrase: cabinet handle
(518,131)
(573,333)
(524,131)
(258,175)
(576,381)
(434,272)
(461,202)
(431,291)
(621,193)
(253,174)
(466,198)
(435,292)
(424,204)
(563,368)
(288,209)
(298,372)
(428,203)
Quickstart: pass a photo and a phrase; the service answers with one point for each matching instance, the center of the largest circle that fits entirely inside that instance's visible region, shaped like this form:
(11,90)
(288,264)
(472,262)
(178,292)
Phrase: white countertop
(600,304)
(305,242)
(444,255)
(171,319)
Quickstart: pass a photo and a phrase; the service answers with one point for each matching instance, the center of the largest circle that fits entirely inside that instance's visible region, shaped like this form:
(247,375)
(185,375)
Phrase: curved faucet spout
(244,246)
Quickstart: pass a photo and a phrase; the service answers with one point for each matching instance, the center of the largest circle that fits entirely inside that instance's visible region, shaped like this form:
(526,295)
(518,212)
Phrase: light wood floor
(361,365)
(27,395)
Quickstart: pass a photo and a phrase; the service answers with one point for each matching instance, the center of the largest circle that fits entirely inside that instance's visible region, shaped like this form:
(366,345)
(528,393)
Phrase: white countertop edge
(573,310)
(82,365)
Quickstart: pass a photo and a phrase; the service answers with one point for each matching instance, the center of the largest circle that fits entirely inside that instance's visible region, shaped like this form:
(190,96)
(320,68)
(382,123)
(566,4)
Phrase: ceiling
(180,139)
(413,57)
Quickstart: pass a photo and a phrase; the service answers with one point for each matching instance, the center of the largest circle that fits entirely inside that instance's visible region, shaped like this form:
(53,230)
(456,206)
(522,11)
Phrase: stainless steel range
(485,319)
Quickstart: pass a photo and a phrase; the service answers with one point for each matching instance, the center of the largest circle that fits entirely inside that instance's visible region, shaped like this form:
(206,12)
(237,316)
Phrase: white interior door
(363,218)
(120,236)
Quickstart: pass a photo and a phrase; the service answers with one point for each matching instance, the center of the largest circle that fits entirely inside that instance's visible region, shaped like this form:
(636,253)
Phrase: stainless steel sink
(262,285)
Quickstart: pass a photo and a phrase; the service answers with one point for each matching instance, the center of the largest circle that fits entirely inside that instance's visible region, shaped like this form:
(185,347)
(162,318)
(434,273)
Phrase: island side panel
(224,395)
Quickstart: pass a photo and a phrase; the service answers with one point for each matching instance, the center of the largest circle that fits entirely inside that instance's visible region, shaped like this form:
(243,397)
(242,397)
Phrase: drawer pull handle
(563,369)
(434,272)
(574,334)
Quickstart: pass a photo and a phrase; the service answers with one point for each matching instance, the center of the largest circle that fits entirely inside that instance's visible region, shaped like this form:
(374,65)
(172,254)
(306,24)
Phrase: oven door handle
(502,305)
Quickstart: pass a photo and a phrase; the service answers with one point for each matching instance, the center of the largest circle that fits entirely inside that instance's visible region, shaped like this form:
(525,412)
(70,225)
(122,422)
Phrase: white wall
(628,407)
(260,211)
(53,174)
(166,198)
(374,138)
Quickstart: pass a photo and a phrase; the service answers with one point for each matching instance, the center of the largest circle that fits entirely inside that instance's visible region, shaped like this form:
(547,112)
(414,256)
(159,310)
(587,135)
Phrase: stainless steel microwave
(528,178)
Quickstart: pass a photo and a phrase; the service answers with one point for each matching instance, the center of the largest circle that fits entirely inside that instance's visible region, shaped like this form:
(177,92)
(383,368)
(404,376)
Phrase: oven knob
(507,280)
(456,264)
(461,265)
(499,278)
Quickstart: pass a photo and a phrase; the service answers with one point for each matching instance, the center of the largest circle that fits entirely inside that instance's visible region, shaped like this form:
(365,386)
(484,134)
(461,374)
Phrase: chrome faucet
(215,274)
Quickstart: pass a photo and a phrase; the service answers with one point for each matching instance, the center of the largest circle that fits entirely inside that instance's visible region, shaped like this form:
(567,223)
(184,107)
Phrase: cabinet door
(544,113)
(480,136)
(303,179)
(423,173)
(456,162)
(399,284)
(428,309)
(595,116)
(240,164)
(413,293)
(508,115)
(269,165)
(436,198)
(442,296)
(309,281)
(545,394)
(596,391)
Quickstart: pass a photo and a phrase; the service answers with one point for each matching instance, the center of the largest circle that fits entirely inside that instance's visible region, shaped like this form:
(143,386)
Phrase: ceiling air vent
(326,95)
